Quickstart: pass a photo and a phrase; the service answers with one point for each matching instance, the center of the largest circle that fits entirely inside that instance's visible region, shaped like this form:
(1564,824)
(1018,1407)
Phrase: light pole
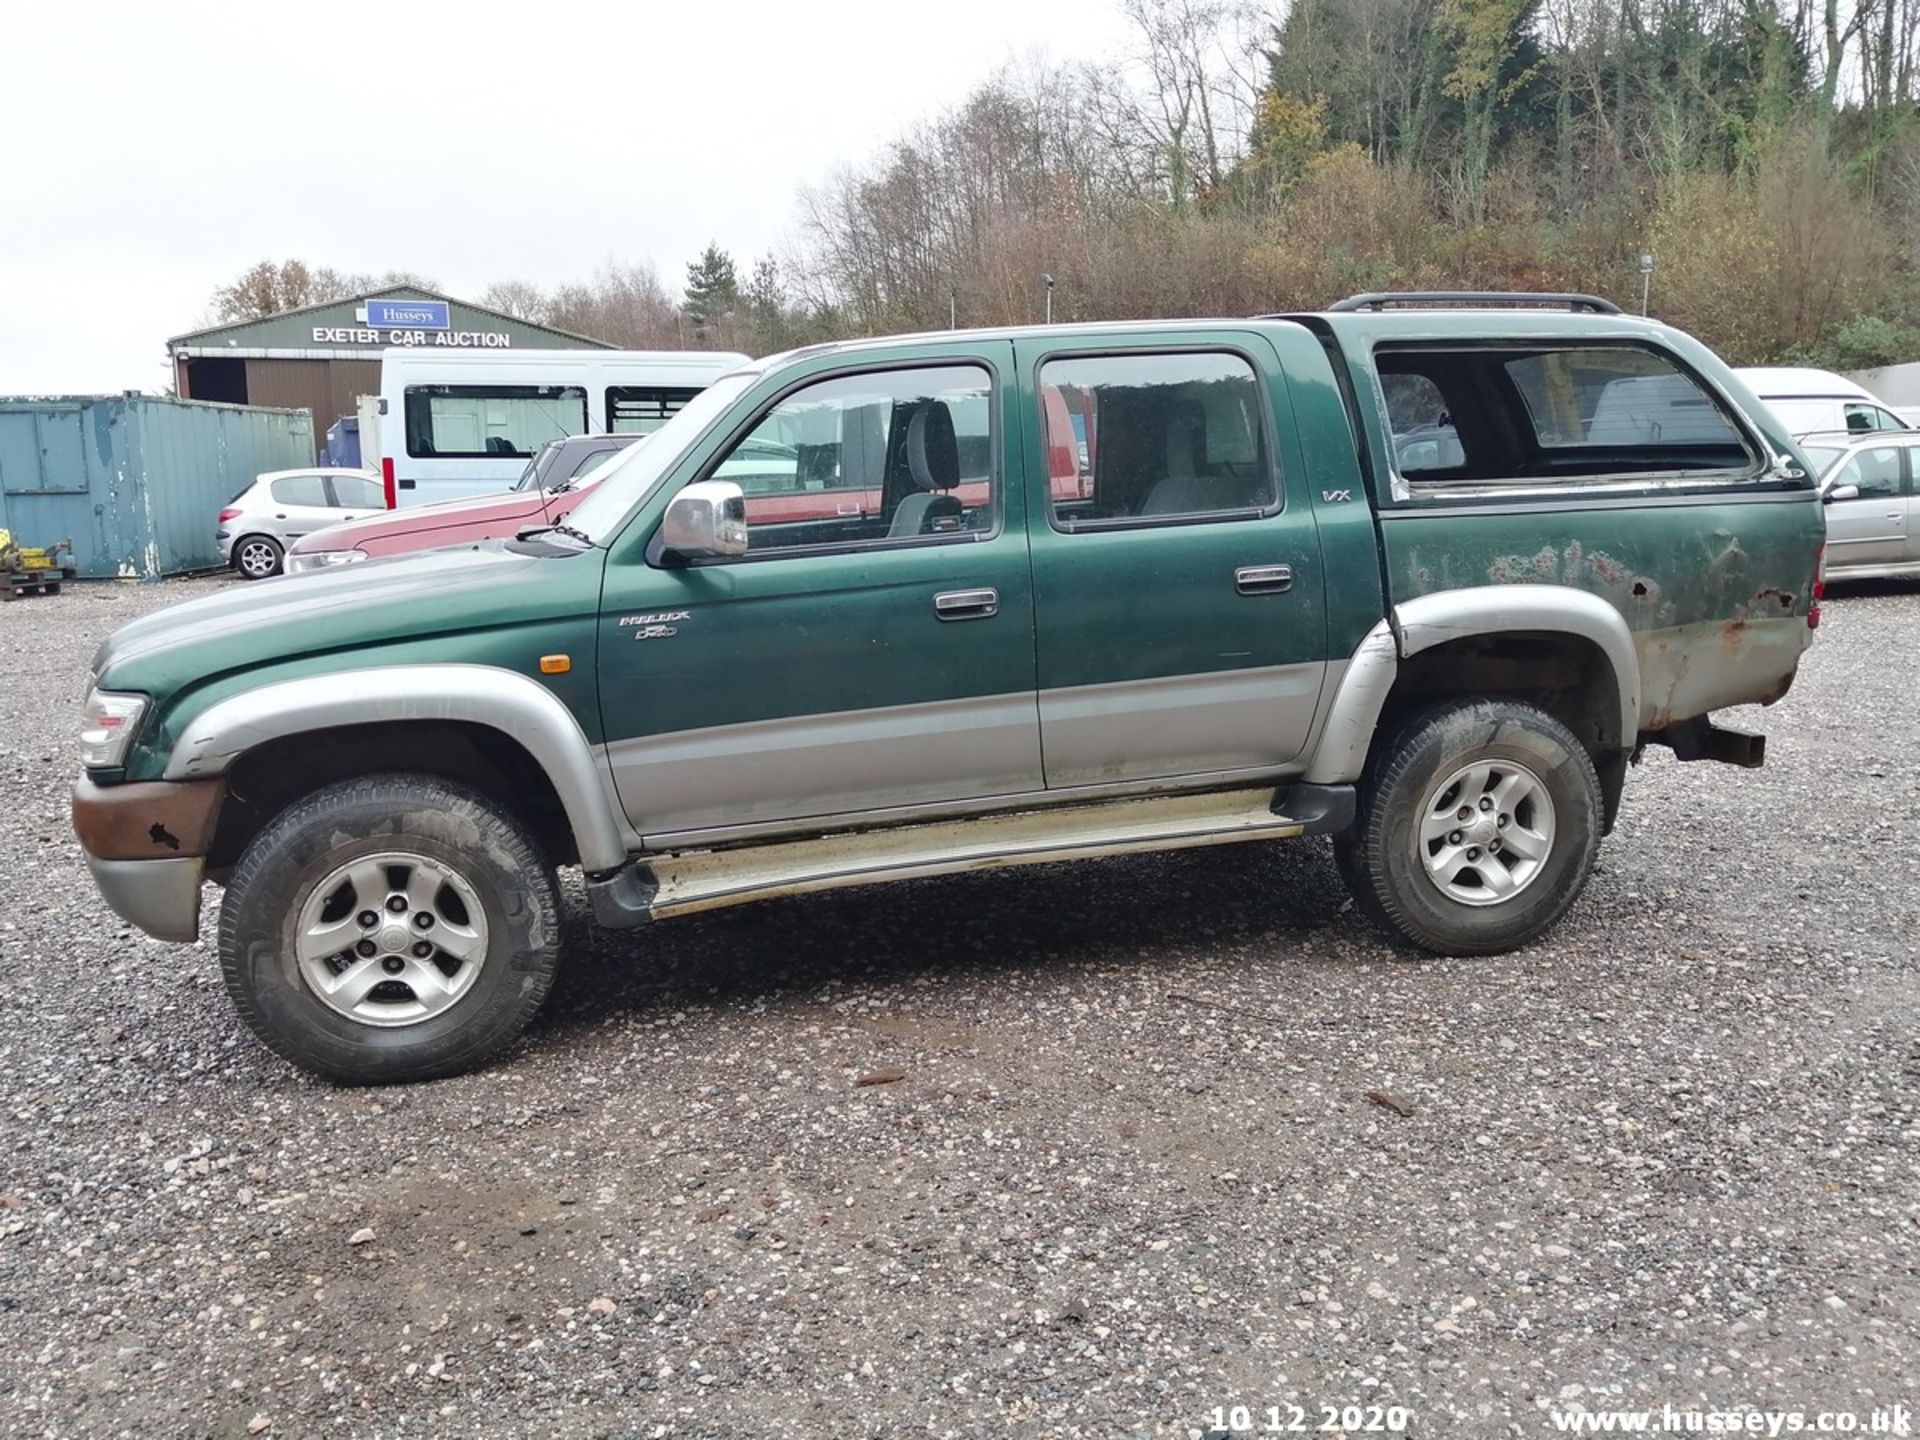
(1646,279)
(1047,280)
(953,307)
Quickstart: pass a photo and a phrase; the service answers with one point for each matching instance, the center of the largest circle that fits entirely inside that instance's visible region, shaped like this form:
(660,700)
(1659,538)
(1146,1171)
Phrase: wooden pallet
(20,583)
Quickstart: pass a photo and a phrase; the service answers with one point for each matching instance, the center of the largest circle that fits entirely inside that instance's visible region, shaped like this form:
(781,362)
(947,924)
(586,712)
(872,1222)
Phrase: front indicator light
(107,727)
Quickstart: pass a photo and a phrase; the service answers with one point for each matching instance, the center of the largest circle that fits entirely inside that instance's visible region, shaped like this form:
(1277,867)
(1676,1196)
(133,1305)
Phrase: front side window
(1504,414)
(862,459)
(1876,471)
(1162,437)
(1866,419)
(643,409)
(490,422)
(301,490)
(351,492)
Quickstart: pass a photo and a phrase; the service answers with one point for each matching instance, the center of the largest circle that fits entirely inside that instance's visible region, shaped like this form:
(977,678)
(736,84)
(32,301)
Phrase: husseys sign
(409,322)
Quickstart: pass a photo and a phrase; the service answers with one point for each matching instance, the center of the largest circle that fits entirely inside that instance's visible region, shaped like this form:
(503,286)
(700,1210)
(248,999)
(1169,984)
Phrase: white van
(1814,401)
(467,422)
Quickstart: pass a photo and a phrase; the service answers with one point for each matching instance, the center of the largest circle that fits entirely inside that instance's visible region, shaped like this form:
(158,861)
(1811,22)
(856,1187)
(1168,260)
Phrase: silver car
(258,524)
(1872,489)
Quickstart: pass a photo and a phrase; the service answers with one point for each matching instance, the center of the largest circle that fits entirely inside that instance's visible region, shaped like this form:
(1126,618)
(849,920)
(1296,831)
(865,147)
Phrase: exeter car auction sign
(464,339)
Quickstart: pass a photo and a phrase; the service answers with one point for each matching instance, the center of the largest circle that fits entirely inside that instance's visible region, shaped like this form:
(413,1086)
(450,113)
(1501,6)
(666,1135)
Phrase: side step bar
(687,882)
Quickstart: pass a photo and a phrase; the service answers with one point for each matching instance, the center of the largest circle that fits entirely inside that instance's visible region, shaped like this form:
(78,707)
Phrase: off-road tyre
(1382,856)
(450,830)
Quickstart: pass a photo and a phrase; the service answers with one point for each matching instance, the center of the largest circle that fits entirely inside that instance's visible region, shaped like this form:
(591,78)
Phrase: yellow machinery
(26,570)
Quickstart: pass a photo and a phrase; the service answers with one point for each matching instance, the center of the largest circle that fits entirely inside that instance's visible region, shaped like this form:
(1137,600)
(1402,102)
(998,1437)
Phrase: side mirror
(1842,492)
(706,521)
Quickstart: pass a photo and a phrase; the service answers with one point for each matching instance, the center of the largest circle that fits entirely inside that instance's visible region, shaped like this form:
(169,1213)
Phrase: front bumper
(146,843)
(161,897)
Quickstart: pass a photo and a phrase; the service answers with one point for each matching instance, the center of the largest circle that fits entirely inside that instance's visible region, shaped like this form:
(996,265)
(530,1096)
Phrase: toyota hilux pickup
(1421,573)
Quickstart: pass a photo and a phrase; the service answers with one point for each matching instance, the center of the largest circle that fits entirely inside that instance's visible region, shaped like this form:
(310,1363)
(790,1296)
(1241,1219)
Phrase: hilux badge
(658,626)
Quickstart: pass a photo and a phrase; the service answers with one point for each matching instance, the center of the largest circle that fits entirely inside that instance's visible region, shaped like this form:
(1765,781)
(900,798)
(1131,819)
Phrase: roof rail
(1473,299)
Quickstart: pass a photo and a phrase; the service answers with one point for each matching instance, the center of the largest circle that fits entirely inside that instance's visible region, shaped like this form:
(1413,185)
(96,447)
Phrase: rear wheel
(257,556)
(390,929)
(1478,826)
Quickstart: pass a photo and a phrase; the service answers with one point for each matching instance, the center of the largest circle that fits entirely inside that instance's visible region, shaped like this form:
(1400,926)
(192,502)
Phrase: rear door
(1871,530)
(1178,593)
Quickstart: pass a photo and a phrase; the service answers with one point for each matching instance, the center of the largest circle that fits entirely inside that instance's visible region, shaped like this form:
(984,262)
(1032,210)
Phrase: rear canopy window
(1497,415)
(474,422)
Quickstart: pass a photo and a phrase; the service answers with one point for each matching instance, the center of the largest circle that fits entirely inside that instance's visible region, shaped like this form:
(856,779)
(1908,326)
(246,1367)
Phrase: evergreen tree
(713,289)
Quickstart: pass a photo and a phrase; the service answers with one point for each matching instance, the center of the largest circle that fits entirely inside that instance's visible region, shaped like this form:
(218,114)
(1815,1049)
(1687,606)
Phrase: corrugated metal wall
(136,481)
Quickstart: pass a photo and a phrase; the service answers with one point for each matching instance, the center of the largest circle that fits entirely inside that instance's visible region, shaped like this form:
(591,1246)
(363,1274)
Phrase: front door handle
(1263,579)
(966,604)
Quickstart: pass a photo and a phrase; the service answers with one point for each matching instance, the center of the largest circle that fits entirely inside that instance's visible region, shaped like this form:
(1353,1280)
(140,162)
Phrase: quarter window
(1154,438)
(472,422)
(887,456)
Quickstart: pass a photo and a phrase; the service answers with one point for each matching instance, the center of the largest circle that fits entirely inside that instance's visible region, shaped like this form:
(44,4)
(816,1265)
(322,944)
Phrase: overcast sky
(153,151)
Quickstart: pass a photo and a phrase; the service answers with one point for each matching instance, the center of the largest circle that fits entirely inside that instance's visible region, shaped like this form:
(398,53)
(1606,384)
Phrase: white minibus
(467,422)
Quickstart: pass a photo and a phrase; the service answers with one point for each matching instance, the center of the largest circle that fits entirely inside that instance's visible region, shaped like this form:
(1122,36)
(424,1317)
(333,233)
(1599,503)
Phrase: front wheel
(1478,826)
(390,929)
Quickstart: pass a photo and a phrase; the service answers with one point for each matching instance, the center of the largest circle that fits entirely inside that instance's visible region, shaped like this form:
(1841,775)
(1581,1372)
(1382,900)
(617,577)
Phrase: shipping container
(136,481)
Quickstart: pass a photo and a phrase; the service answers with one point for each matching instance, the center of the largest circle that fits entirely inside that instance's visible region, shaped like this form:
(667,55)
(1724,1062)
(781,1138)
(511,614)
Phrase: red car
(553,483)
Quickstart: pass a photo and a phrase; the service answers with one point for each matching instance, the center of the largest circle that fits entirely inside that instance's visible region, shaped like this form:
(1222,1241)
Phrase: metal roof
(230,334)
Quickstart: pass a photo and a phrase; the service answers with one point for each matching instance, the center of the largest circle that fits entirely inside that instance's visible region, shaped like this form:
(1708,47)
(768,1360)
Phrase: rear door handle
(1263,579)
(966,604)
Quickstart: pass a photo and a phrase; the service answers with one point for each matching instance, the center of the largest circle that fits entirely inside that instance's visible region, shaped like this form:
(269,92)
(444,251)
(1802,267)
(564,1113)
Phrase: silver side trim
(1257,718)
(956,809)
(708,880)
(807,767)
(1340,754)
(162,897)
(1492,609)
(519,707)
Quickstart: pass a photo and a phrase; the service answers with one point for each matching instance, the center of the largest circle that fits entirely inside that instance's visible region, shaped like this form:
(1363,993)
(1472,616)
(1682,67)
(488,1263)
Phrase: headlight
(106,727)
(299,563)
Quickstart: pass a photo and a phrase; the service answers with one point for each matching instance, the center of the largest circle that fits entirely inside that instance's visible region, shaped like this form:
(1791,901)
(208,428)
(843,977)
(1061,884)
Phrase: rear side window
(641,410)
(476,422)
(1550,416)
(301,490)
(1155,439)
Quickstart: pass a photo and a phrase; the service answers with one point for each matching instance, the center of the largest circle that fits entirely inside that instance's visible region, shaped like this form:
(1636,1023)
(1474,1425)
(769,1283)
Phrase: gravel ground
(1131,1172)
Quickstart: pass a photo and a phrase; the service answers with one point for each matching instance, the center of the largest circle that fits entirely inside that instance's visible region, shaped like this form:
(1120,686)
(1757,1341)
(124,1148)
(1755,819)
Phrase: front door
(874,647)
(1178,587)
(1871,530)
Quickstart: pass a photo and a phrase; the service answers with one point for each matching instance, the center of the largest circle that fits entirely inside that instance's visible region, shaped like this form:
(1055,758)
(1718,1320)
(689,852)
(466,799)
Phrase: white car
(1872,489)
(258,524)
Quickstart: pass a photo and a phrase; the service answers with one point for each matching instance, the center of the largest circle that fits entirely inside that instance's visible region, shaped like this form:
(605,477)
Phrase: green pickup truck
(1422,573)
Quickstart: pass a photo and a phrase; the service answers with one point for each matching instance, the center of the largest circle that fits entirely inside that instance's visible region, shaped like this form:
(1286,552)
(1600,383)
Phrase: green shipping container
(136,481)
